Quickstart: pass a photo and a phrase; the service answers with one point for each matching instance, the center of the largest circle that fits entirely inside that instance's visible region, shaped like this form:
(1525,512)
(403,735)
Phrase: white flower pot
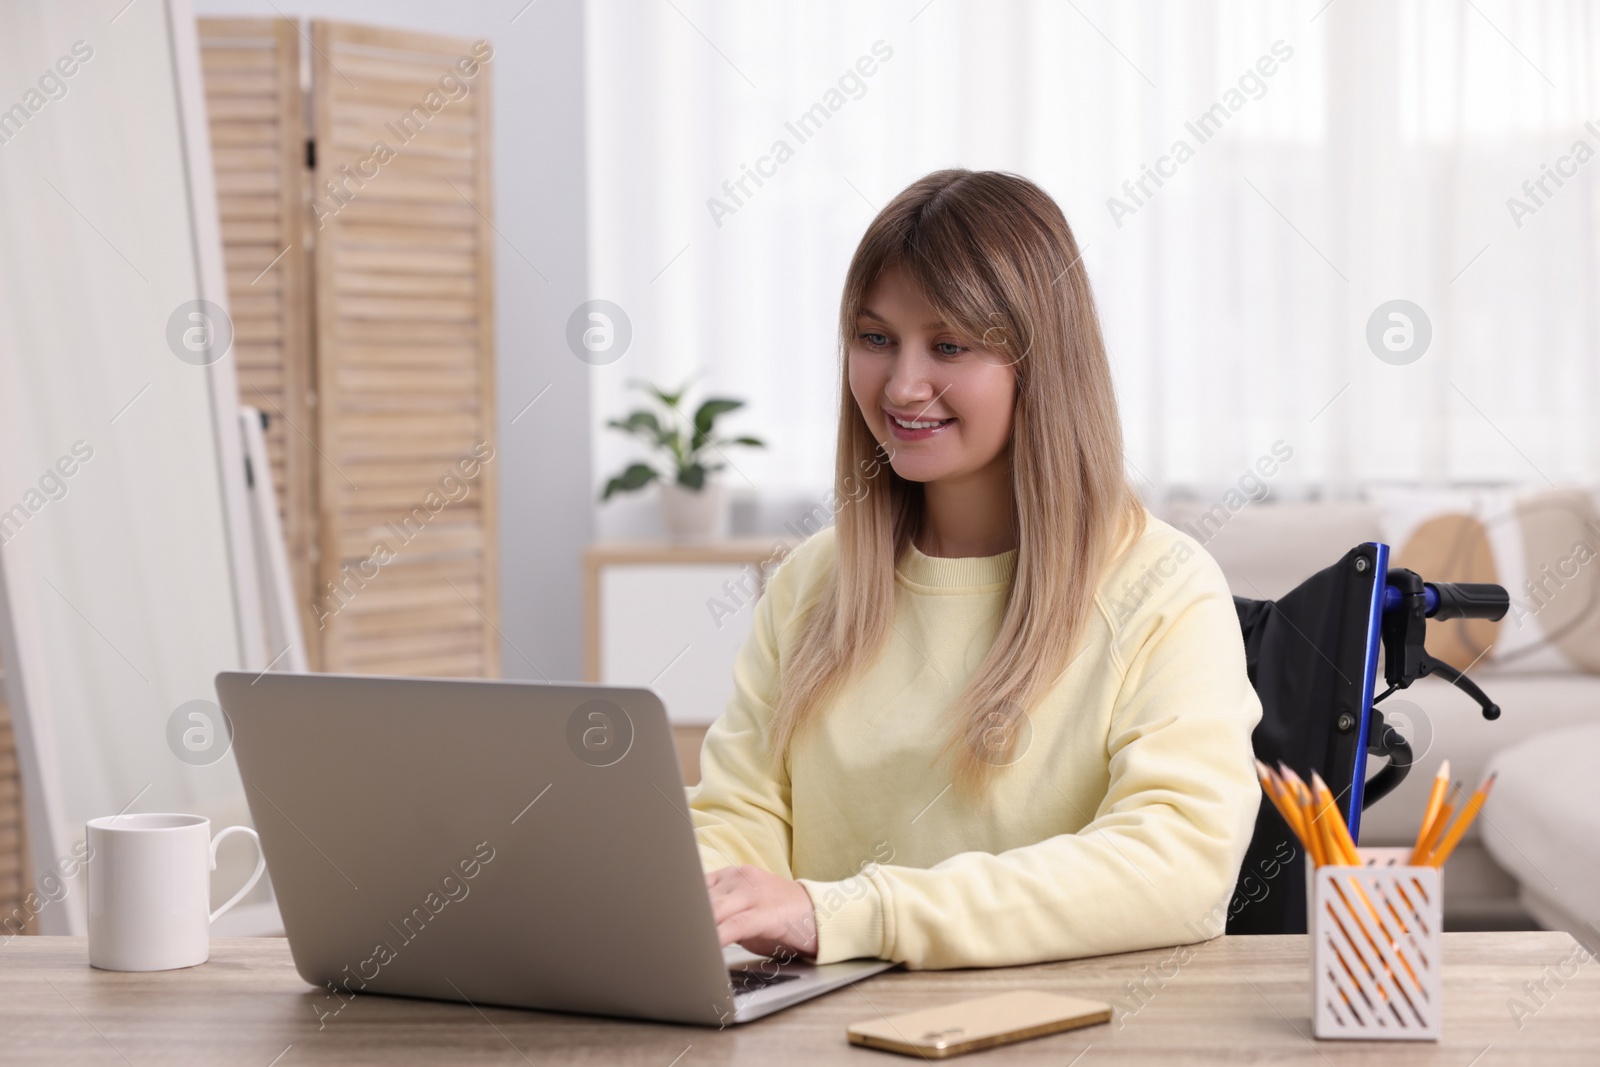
(695,515)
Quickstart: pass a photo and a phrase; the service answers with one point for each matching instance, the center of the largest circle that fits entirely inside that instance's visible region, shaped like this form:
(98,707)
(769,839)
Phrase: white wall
(539,206)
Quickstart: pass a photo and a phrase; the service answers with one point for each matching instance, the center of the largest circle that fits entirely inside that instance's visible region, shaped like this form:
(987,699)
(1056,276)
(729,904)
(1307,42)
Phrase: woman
(998,712)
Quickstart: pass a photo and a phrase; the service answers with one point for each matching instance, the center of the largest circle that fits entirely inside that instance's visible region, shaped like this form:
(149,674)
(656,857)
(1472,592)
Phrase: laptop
(512,843)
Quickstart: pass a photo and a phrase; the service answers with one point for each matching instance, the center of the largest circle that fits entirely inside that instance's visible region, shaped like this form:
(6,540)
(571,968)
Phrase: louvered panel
(266,284)
(448,538)
(386,332)
(402,241)
(434,400)
(423,167)
(404,354)
(418,586)
(240,133)
(407,647)
(259,332)
(234,47)
(389,471)
(462,541)
(445,620)
(358,283)
(454,357)
(402,261)
(256,112)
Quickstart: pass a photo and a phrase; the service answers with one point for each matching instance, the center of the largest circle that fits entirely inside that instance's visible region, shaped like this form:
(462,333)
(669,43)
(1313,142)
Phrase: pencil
(1284,799)
(1331,852)
(1269,786)
(1308,820)
(1343,849)
(1441,852)
(1441,785)
(1287,773)
(1277,790)
(1436,830)
(1342,843)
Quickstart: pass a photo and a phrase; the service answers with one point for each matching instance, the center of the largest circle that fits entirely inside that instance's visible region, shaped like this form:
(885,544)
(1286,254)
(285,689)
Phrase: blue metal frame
(1369,679)
(1430,599)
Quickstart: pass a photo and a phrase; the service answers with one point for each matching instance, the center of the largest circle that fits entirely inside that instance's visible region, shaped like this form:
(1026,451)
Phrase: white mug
(150,890)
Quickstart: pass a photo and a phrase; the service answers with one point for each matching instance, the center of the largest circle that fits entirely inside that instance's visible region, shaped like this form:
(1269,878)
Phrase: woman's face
(904,362)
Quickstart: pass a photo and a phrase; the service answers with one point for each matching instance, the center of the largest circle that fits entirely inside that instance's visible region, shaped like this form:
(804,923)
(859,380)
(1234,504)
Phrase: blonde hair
(993,254)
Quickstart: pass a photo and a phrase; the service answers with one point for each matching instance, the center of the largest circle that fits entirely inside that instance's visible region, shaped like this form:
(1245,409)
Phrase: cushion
(1541,546)
(1542,820)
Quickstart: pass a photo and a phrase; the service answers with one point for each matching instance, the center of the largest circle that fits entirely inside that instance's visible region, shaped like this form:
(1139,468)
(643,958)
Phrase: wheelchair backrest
(1312,657)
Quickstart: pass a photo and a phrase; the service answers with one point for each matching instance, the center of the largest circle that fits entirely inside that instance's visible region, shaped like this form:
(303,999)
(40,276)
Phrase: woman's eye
(941,346)
(876,340)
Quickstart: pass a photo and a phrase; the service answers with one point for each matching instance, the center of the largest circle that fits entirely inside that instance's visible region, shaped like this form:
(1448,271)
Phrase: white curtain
(1373,163)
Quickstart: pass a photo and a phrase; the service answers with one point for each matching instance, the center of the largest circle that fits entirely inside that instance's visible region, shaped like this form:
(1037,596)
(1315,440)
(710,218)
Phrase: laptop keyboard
(746,980)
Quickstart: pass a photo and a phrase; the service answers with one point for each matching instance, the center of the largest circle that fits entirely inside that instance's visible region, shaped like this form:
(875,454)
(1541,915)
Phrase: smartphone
(968,1025)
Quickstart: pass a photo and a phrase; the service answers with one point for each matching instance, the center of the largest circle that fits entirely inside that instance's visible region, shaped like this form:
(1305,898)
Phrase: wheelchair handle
(1466,600)
(1454,600)
(1407,601)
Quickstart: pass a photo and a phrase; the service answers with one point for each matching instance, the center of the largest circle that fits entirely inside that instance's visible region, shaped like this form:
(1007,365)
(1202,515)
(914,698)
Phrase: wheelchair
(1312,656)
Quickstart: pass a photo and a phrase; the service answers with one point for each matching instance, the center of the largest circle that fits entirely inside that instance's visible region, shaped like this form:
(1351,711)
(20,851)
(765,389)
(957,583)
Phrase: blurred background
(486,274)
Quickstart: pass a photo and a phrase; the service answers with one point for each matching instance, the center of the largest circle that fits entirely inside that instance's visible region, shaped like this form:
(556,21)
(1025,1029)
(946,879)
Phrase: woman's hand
(762,912)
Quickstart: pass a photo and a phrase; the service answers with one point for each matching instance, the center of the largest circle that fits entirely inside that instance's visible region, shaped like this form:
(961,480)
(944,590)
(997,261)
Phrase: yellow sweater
(1121,826)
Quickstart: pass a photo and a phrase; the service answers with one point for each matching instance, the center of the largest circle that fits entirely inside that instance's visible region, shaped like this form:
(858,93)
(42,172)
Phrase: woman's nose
(908,381)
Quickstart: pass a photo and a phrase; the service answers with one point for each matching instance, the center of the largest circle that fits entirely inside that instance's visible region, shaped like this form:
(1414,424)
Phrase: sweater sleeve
(1154,866)
(740,809)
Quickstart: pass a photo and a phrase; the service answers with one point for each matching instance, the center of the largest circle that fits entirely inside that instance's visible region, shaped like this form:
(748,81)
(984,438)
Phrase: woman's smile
(915,428)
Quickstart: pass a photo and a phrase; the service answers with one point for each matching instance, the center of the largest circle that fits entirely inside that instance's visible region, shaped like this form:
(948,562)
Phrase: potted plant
(694,506)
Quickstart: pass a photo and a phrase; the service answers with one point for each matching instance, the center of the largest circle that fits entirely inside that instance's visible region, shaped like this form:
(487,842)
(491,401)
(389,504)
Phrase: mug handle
(261,866)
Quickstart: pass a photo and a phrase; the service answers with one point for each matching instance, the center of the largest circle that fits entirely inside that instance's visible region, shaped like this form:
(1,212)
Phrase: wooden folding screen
(258,144)
(403,467)
(404,349)
(14,915)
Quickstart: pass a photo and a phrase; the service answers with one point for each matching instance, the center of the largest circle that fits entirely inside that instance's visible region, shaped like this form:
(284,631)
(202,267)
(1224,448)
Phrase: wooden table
(1241,999)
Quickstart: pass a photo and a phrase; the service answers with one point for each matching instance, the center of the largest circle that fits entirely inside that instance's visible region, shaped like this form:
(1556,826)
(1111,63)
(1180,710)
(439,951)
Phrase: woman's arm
(1156,863)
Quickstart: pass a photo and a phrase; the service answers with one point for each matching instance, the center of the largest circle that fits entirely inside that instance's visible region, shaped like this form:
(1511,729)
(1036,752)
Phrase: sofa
(1539,664)
(1554,860)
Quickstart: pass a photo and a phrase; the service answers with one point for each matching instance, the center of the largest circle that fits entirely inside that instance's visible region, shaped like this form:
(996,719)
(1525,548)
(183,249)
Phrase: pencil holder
(1375,948)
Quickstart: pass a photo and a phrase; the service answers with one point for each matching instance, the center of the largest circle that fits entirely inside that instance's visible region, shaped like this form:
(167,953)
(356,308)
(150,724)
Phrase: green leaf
(637,476)
(672,400)
(639,422)
(682,444)
(708,413)
(672,441)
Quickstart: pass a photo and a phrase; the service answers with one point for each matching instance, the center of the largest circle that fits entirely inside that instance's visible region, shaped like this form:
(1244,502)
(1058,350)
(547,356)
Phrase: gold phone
(968,1025)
